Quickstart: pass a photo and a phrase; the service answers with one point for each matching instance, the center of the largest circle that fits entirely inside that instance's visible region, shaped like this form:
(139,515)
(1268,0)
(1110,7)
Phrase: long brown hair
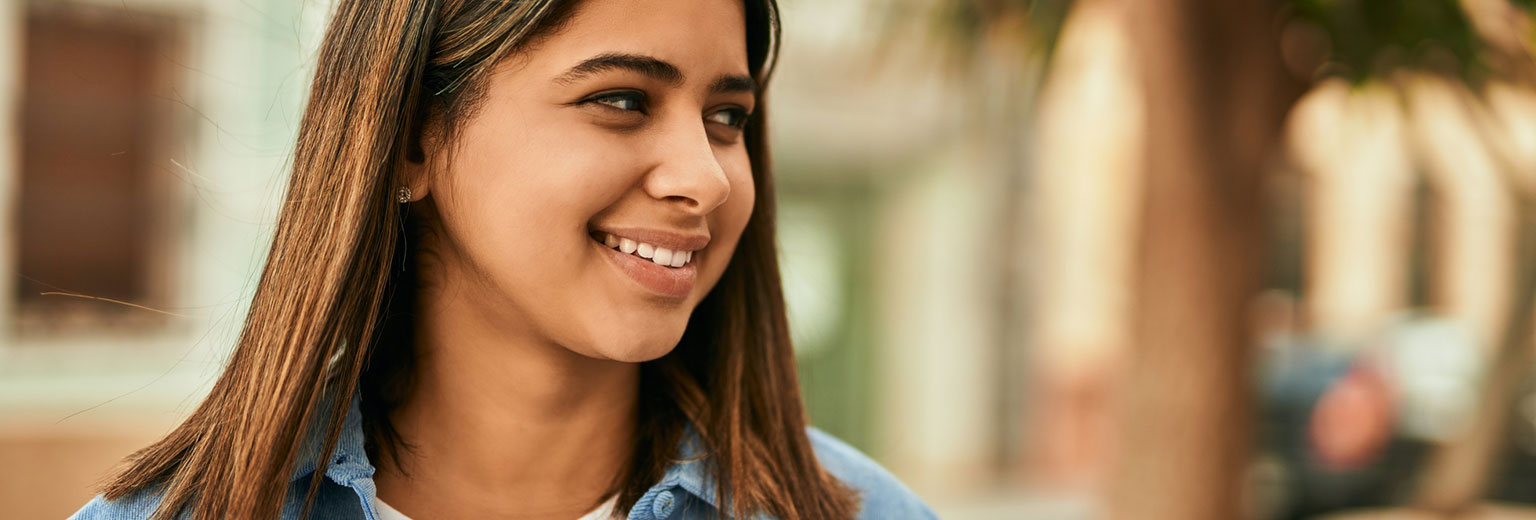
(335,291)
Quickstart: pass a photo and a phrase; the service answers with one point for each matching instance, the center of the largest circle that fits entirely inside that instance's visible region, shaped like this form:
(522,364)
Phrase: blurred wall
(83,382)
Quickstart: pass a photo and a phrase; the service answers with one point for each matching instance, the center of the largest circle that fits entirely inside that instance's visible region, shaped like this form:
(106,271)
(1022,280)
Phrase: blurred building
(143,155)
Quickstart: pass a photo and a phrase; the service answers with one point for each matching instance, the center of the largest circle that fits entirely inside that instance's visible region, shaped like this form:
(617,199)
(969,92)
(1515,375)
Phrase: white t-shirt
(602,512)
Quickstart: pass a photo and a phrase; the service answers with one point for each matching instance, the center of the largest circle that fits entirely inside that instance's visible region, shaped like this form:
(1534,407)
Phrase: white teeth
(659,255)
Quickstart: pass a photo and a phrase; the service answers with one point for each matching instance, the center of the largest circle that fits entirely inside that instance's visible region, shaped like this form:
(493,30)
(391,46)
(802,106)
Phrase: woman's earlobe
(413,185)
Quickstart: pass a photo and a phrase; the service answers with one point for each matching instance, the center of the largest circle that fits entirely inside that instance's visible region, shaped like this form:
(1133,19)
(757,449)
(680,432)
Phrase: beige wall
(52,468)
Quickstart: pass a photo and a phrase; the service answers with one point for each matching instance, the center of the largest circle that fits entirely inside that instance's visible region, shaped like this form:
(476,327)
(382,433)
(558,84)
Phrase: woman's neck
(499,424)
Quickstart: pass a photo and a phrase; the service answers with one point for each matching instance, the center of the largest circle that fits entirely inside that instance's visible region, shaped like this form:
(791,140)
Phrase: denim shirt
(685,491)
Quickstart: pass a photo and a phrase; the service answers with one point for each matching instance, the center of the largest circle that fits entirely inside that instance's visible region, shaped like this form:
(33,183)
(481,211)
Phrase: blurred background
(1166,259)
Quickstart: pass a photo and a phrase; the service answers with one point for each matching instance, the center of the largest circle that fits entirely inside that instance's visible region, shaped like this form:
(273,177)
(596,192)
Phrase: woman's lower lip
(671,282)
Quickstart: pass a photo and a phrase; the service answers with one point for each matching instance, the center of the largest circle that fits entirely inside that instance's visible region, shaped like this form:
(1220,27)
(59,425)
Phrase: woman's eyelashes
(634,102)
(732,117)
(622,100)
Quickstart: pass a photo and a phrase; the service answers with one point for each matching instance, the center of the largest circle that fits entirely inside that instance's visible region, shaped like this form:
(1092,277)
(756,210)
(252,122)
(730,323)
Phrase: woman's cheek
(743,197)
(738,170)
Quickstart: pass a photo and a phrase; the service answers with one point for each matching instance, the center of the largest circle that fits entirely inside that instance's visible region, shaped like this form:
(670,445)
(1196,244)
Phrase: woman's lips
(670,282)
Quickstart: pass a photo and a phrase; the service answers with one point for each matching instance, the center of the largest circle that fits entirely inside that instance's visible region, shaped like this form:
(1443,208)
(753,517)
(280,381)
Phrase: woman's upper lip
(674,240)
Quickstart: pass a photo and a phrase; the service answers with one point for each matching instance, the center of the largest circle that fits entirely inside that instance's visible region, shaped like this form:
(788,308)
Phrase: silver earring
(404,195)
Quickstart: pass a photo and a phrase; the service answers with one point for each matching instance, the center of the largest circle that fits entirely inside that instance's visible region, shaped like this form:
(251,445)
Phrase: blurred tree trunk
(1216,96)
(1457,476)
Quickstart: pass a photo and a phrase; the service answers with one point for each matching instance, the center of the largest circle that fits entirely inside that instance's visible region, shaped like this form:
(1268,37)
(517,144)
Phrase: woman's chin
(638,353)
(636,350)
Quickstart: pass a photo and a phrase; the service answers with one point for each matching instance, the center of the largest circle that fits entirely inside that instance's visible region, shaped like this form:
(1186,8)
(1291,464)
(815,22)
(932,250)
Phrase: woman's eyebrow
(652,67)
(732,83)
(646,65)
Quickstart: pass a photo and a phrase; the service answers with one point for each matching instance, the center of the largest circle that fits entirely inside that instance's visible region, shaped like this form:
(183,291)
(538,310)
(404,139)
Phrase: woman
(524,269)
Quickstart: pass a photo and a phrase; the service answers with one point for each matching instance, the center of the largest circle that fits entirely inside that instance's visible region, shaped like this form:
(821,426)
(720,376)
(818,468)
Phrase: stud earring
(404,195)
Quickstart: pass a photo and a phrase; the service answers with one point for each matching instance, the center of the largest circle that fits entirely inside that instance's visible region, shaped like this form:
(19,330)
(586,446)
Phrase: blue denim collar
(350,459)
(350,466)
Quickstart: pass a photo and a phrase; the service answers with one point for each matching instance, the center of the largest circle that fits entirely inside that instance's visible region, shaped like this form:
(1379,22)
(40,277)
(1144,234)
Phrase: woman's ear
(421,151)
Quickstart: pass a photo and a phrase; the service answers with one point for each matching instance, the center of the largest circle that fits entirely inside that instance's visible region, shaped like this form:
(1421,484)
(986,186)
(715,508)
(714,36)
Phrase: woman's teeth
(658,255)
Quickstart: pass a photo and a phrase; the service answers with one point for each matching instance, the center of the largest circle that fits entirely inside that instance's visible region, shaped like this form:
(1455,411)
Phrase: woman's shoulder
(881,494)
(132,507)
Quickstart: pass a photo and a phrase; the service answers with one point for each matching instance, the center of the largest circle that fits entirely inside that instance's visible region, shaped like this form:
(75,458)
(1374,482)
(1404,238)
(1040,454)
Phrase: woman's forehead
(700,39)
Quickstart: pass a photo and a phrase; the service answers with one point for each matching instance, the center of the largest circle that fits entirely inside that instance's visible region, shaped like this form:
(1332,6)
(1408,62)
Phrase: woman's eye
(732,117)
(628,101)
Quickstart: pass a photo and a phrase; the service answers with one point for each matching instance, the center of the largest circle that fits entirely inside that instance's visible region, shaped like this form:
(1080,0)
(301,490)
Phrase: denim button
(662,506)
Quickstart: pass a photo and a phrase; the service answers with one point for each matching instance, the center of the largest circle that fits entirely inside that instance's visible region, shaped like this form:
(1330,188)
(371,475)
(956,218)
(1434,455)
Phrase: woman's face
(598,192)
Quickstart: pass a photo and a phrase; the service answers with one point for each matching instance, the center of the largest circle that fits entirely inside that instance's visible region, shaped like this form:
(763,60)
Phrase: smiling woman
(525,268)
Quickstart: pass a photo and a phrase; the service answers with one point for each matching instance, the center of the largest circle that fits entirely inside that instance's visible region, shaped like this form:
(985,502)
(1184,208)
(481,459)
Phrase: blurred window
(94,202)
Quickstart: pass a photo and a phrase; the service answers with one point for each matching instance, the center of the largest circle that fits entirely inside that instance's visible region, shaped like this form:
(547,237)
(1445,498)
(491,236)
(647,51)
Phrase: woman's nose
(688,174)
